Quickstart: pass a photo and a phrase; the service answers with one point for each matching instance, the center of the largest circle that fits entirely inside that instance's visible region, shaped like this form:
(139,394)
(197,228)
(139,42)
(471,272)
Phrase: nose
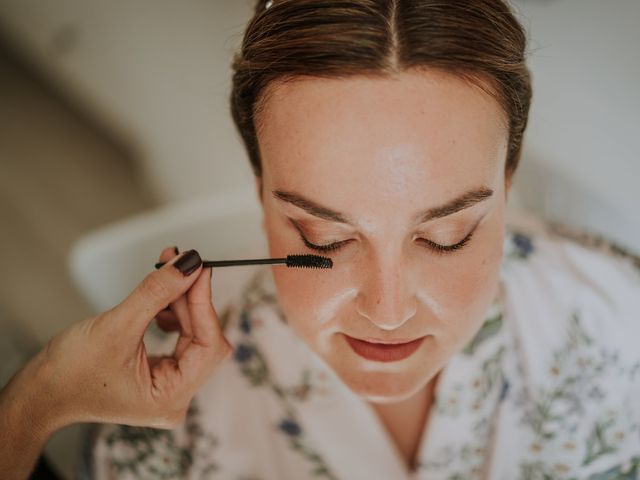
(387,296)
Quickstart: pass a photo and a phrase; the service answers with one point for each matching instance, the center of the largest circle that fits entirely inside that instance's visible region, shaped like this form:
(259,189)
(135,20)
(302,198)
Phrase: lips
(387,342)
(384,352)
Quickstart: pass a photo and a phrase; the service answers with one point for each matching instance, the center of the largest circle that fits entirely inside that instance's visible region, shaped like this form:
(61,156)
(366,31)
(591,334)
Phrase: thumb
(156,291)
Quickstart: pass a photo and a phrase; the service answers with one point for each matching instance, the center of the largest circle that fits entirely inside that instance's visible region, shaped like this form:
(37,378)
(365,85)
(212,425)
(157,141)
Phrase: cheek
(465,289)
(301,292)
(465,283)
(311,305)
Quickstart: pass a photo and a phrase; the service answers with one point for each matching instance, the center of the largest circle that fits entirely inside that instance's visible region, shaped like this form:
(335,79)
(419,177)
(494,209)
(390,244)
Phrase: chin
(384,387)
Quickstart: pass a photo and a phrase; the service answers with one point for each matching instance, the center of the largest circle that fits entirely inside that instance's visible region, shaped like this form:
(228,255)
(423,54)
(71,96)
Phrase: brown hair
(478,40)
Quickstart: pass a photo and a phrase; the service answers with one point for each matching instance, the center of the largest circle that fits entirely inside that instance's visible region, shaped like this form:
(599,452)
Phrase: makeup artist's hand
(97,370)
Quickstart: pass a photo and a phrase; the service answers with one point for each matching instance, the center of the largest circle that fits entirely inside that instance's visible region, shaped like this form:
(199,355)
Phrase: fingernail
(188,263)
(175,249)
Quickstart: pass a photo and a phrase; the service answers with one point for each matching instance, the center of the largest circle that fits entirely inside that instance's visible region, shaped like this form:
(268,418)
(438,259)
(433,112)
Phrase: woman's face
(389,168)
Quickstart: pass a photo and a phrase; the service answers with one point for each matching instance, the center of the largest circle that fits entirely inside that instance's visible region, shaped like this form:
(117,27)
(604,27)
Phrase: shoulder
(572,303)
(557,282)
(551,272)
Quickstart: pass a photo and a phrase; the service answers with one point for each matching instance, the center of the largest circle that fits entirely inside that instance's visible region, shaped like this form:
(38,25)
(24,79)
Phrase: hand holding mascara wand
(79,376)
(301,261)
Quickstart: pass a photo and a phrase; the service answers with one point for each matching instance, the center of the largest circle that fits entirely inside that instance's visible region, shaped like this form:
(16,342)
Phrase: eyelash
(436,247)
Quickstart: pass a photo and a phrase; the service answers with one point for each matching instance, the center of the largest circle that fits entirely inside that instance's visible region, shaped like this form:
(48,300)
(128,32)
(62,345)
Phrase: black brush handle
(233,263)
(310,261)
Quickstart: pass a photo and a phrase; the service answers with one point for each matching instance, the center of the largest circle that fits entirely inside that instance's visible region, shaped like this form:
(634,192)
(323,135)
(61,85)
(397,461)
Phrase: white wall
(582,150)
(158,73)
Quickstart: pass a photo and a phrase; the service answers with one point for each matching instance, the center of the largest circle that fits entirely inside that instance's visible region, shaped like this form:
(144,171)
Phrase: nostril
(389,318)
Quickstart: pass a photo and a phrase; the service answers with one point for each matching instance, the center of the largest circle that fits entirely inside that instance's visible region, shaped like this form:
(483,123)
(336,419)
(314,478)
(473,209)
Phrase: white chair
(108,263)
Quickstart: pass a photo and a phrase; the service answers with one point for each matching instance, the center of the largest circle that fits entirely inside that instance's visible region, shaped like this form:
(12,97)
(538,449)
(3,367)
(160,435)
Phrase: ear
(261,201)
(508,180)
(259,188)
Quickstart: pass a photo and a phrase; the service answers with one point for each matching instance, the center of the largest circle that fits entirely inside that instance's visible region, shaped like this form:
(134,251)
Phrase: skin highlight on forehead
(381,130)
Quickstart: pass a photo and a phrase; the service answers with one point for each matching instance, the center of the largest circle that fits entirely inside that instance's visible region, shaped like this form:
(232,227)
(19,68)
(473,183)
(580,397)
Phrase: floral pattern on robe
(548,389)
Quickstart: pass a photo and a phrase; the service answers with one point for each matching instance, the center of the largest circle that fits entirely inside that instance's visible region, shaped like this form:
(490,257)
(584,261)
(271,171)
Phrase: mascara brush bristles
(309,261)
(300,261)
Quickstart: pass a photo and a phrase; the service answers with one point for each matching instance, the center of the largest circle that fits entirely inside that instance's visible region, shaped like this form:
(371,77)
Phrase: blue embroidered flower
(523,244)
(290,427)
(505,389)
(243,353)
(245,322)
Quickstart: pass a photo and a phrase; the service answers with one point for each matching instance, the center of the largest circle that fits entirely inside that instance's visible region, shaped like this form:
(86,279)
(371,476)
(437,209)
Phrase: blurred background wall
(109,109)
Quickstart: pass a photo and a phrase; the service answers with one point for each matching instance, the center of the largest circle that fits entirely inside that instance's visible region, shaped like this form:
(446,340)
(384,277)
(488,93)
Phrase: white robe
(549,388)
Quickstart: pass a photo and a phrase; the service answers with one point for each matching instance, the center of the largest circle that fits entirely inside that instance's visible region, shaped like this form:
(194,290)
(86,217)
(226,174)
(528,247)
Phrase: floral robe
(549,388)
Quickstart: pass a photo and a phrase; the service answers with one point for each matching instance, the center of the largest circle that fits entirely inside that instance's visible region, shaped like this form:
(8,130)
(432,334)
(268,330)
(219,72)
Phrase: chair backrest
(108,263)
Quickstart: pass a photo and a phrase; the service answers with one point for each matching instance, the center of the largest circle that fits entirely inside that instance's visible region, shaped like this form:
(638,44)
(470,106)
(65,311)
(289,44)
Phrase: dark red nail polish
(175,249)
(188,263)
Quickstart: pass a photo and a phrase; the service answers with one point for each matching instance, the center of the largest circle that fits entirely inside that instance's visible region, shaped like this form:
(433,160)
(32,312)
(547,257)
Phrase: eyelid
(435,247)
(447,248)
(302,230)
(324,248)
(317,224)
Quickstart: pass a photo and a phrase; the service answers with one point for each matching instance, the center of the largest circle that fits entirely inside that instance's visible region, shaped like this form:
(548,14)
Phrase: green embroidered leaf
(628,471)
(489,328)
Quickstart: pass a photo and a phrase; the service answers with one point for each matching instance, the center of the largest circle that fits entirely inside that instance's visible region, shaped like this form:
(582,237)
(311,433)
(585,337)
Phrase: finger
(188,336)
(204,319)
(198,361)
(158,289)
(179,306)
(181,313)
(208,347)
(167,321)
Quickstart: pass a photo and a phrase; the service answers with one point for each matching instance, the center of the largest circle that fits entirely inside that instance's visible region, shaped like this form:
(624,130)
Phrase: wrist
(30,403)
(25,425)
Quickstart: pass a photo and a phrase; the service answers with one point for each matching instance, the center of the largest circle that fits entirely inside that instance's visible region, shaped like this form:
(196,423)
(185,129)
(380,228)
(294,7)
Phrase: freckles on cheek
(466,289)
(315,306)
(300,294)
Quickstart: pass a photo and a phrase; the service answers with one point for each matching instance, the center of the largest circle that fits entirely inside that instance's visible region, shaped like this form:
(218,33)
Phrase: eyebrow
(461,202)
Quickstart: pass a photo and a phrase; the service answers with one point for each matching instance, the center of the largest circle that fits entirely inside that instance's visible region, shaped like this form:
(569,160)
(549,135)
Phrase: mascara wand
(300,261)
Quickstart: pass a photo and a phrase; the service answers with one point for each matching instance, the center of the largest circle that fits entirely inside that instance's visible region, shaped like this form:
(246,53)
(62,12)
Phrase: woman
(385,134)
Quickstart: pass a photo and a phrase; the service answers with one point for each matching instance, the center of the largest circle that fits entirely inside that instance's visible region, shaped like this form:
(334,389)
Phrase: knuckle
(49,349)
(153,287)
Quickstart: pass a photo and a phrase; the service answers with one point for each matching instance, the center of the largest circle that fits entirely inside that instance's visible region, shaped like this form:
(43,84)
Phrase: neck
(406,421)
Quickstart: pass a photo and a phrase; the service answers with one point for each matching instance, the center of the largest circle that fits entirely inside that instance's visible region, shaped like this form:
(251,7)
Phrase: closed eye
(324,248)
(436,247)
(446,248)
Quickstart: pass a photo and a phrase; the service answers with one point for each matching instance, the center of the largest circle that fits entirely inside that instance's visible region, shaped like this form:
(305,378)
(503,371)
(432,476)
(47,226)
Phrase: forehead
(423,133)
